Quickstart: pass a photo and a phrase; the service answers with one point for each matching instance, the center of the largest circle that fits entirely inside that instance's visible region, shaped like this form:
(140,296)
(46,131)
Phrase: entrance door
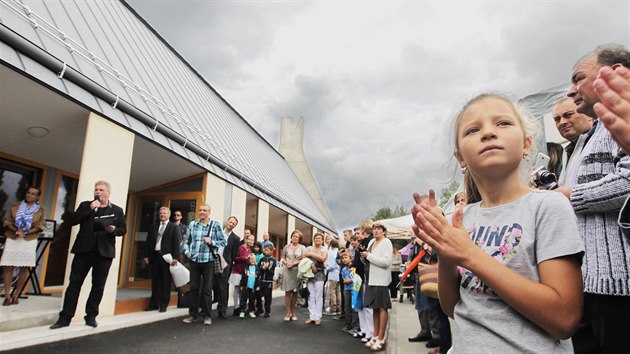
(187,206)
(146,215)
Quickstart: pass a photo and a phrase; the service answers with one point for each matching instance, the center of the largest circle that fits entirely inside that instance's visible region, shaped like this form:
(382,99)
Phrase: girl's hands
(451,242)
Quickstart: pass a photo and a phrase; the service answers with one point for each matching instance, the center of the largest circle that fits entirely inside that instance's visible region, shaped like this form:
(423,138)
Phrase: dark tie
(158,242)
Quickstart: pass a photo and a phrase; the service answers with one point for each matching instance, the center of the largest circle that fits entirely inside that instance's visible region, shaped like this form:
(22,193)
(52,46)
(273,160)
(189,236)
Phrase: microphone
(96,198)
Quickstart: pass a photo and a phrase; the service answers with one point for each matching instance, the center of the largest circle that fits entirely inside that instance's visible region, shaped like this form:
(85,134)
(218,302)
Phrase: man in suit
(229,253)
(94,249)
(163,238)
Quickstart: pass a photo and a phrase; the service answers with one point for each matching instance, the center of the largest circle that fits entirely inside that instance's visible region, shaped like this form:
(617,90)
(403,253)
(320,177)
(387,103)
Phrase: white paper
(180,274)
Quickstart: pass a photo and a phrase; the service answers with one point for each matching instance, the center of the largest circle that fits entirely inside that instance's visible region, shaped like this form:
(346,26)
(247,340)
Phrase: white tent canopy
(398,228)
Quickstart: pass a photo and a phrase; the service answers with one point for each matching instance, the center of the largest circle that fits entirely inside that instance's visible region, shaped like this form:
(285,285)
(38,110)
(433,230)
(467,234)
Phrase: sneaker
(207,321)
(188,320)
(252,315)
(242,315)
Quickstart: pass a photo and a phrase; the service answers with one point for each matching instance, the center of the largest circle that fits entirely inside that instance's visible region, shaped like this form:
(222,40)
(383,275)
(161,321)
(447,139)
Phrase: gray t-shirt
(538,226)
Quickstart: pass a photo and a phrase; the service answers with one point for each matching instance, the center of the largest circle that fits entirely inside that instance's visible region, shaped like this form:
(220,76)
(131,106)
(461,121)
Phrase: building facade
(89,91)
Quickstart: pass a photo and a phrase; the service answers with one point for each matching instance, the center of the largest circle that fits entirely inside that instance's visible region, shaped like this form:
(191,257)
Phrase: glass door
(186,205)
(146,215)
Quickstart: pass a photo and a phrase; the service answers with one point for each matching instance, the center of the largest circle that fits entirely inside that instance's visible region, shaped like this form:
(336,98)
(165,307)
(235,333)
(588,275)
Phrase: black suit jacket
(171,238)
(231,250)
(91,231)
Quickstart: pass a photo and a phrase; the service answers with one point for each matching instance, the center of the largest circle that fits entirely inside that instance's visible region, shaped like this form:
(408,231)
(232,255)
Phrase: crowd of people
(520,269)
(530,270)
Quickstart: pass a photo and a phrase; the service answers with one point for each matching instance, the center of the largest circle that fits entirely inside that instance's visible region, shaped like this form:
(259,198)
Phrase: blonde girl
(509,270)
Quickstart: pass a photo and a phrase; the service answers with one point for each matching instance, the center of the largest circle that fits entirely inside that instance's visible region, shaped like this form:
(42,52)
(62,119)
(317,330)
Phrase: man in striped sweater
(602,184)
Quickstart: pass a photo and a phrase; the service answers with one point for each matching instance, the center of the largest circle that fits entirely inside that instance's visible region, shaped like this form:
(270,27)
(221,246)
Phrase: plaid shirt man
(198,251)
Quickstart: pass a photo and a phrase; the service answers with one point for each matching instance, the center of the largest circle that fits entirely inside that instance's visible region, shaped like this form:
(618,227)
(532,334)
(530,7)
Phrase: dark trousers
(81,265)
(248,296)
(609,320)
(160,281)
(199,271)
(444,328)
(264,292)
(352,318)
(220,288)
(393,289)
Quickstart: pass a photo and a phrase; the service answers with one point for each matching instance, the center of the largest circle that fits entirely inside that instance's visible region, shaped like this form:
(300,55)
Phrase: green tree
(447,193)
(388,213)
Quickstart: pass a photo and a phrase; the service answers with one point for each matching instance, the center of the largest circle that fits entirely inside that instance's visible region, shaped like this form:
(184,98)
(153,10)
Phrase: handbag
(357,294)
(428,277)
(183,299)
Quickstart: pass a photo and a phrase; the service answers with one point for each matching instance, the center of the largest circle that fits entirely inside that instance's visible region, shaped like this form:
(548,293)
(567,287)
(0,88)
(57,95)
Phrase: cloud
(378,83)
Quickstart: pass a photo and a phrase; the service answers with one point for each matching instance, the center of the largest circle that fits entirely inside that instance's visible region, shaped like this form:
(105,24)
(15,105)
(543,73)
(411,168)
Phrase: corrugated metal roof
(108,43)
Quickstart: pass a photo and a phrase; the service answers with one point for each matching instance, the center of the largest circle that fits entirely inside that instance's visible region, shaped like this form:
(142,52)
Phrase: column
(290,226)
(107,154)
(214,194)
(263,219)
(239,207)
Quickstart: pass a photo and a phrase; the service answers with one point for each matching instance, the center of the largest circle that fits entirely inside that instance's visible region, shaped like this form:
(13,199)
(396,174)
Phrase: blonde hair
(366,226)
(526,122)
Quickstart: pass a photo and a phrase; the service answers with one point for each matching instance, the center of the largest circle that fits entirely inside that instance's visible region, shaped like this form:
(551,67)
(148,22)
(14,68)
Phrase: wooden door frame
(130,264)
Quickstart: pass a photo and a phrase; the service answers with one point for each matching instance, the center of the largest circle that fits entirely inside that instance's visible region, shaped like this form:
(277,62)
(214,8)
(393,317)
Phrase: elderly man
(602,184)
(94,249)
(164,238)
(571,125)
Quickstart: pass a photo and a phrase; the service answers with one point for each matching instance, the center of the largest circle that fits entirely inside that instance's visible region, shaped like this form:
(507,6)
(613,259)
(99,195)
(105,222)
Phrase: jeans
(352,319)
(197,272)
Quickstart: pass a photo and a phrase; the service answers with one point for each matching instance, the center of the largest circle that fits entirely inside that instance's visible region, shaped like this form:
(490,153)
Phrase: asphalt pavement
(233,335)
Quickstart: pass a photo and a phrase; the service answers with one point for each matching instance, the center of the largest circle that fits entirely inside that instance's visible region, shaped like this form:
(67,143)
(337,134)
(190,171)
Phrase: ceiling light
(37,132)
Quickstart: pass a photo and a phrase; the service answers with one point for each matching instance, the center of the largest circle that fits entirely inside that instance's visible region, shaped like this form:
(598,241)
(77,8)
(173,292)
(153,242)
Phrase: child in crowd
(249,283)
(258,251)
(332,269)
(500,261)
(266,268)
(352,320)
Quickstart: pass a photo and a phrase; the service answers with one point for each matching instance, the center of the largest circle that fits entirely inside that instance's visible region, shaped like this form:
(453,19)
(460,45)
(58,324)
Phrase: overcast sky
(378,82)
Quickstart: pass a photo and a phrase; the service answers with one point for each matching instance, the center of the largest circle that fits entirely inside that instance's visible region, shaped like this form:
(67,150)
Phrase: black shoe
(150,308)
(419,338)
(433,343)
(236,312)
(91,322)
(59,324)
(223,315)
(162,309)
(266,315)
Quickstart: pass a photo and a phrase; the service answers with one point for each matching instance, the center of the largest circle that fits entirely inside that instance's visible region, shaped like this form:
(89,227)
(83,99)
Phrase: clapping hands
(450,241)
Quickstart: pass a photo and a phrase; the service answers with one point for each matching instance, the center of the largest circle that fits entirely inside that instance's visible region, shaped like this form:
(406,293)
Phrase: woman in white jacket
(379,262)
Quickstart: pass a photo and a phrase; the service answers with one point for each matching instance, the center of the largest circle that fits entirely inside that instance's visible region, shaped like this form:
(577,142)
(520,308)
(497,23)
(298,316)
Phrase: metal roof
(105,56)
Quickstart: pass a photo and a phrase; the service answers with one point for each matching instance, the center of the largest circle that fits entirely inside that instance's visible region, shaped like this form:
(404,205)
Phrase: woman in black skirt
(378,257)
